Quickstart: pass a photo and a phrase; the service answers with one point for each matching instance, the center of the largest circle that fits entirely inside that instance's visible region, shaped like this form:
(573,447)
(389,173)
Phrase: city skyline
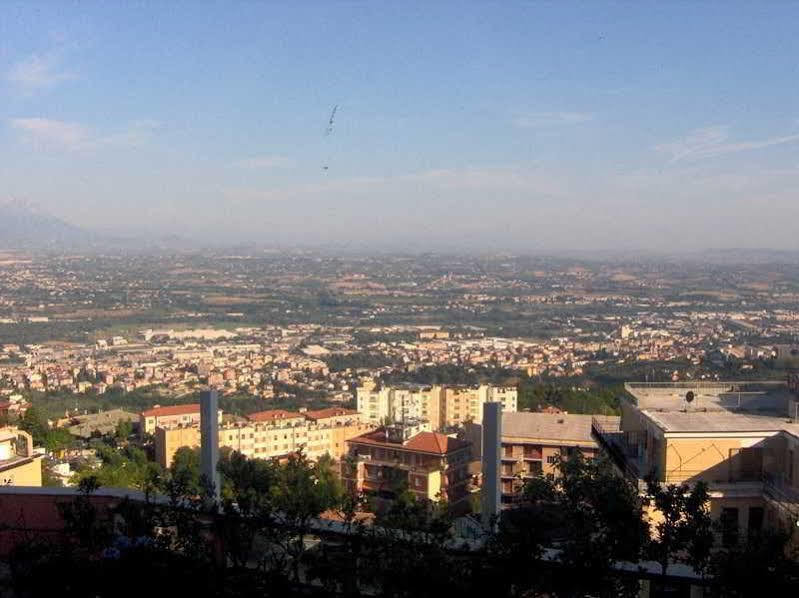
(523,127)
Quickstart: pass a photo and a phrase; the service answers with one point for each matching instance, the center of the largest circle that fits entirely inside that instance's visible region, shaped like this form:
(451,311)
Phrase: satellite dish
(689,396)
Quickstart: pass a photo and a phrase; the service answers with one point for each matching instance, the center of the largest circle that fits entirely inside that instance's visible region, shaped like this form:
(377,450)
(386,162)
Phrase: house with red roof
(385,463)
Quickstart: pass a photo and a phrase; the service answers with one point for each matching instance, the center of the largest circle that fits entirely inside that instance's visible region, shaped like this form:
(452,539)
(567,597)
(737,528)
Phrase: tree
(124,430)
(123,468)
(406,552)
(683,526)
(185,470)
(35,424)
(764,565)
(593,517)
(303,491)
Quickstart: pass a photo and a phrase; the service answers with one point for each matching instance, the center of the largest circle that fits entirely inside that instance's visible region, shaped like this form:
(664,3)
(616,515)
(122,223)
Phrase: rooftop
(424,442)
(720,421)
(273,414)
(762,397)
(553,426)
(717,407)
(172,410)
(329,412)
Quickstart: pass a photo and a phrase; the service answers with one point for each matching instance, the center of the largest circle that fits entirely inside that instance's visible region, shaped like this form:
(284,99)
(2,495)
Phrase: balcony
(623,455)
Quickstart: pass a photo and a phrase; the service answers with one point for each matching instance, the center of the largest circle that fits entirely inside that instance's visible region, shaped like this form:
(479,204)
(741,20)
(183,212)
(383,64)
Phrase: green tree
(303,491)
(765,565)
(124,430)
(185,470)
(35,424)
(123,468)
(683,528)
(594,518)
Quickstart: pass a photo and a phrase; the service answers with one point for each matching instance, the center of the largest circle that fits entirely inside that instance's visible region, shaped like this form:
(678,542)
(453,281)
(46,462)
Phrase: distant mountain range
(23,225)
(26,226)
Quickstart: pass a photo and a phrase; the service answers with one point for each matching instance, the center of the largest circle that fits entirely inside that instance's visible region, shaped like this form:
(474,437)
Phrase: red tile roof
(423,442)
(272,414)
(329,412)
(172,410)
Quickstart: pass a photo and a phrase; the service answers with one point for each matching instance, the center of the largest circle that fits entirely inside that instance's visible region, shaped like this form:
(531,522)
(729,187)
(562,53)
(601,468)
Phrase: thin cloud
(264,162)
(709,142)
(467,180)
(49,132)
(39,72)
(54,134)
(551,119)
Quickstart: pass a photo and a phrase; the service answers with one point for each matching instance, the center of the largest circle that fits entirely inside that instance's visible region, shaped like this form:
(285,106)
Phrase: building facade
(533,443)
(272,434)
(19,466)
(444,407)
(433,466)
(741,438)
(170,417)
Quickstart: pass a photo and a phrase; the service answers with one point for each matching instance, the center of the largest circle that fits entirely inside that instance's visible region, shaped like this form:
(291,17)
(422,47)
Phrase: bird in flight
(329,129)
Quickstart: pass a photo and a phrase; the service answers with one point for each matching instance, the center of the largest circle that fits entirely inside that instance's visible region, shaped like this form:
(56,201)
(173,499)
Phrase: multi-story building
(385,462)
(442,406)
(271,434)
(19,466)
(170,417)
(533,443)
(741,438)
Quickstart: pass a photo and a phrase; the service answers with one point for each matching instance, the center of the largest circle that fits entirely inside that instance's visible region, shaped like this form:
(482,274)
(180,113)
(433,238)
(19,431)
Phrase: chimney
(492,441)
(209,440)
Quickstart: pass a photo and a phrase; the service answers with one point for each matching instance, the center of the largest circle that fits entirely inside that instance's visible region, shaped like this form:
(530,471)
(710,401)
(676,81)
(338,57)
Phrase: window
(755,520)
(534,467)
(552,459)
(729,526)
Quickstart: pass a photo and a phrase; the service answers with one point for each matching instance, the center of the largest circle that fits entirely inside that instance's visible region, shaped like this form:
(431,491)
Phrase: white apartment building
(441,406)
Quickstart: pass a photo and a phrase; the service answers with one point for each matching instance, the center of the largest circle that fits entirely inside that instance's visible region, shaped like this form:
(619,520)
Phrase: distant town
(461,382)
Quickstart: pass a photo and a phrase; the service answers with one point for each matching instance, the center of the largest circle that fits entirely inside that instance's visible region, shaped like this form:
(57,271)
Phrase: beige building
(170,417)
(18,465)
(742,438)
(274,433)
(432,466)
(532,444)
(442,406)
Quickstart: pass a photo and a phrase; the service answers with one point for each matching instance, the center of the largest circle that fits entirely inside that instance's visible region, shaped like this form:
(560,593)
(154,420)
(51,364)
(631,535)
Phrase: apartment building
(741,438)
(532,444)
(18,464)
(170,417)
(463,404)
(274,433)
(386,461)
(442,406)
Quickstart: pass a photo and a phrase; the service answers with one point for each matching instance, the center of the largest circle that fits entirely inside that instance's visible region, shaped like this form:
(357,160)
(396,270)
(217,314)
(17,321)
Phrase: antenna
(689,398)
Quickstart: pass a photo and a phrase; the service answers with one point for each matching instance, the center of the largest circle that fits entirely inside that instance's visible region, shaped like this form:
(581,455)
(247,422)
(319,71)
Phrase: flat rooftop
(720,421)
(767,398)
(717,406)
(553,426)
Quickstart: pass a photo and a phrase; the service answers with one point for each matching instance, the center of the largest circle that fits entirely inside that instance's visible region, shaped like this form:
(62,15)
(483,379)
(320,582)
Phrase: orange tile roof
(433,442)
(329,412)
(172,410)
(272,414)
(423,442)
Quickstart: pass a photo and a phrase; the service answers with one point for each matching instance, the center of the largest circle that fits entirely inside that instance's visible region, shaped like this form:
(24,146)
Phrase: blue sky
(527,126)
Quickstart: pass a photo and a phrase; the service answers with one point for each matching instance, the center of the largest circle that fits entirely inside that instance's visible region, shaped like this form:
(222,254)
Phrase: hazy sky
(496,124)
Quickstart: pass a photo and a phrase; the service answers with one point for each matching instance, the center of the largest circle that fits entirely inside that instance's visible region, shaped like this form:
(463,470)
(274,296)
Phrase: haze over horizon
(514,126)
